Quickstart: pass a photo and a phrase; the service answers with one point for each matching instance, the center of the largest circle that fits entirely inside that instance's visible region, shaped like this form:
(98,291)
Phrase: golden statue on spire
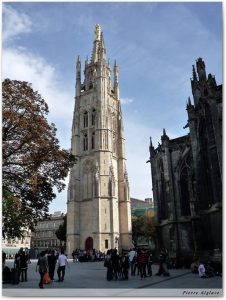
(97,32)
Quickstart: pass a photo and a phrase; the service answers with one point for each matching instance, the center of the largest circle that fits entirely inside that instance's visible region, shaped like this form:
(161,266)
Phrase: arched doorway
(89,243)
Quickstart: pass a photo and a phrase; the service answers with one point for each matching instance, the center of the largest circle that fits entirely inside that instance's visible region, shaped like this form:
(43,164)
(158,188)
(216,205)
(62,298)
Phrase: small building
(44,237)
(140,207)
(12,246)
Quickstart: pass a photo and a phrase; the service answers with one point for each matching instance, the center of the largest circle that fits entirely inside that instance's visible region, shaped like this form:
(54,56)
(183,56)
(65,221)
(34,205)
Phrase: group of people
(48,261)
(206,270)
(118,266)
(20,266)
(85,256)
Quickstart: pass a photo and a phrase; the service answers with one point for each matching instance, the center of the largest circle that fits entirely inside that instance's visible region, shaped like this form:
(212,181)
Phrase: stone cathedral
(98,207)
(187,176)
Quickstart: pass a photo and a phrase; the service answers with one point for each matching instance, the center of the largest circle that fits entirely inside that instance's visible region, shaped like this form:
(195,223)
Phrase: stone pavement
(89,279)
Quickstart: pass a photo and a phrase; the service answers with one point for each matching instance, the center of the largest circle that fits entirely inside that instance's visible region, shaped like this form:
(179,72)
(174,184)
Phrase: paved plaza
(89,279)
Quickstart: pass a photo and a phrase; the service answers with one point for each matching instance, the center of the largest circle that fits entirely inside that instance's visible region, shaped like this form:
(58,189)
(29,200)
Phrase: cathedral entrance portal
(89,244)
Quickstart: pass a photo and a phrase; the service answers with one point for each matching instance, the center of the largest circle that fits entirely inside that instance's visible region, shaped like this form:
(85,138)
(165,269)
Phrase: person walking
(17,266)
(42,267)
(52,259)
(132,254)
(125,267)
(115,263)
(62,262)
(23,266)
(141,262)
(108,265)
(149,263)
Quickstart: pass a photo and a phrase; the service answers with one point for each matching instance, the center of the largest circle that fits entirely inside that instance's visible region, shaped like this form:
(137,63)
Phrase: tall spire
(189,101)
(194,73)
(116,86)
(151,142)
(102,50)
(151,149)
(97,32)
(78,67)
(78,76)
(164,137)
(96,43)
(201,69)
(102,40)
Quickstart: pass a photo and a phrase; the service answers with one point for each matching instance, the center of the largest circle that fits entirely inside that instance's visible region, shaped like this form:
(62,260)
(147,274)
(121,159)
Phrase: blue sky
(155,45)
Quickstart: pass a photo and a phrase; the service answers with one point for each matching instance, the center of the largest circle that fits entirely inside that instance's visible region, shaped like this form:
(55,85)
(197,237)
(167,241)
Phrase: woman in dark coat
(42,267)
(23,266)
(52,259)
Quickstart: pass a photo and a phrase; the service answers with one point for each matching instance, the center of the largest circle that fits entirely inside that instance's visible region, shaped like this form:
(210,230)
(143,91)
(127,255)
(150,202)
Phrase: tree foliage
(33,163)
(143,226)
(61,232)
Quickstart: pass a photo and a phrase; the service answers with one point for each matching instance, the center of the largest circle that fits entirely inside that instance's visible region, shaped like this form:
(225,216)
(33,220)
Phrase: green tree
(137,223)
(32,161)
(61,232)
(143,226)
(148,225)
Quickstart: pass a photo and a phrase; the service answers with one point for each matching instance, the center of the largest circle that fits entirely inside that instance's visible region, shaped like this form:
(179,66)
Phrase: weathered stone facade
(98,207)
(44,236)
(187,175)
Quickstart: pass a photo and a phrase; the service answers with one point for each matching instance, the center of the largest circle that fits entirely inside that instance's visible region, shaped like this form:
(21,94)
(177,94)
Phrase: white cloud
(137,144)
(126,101)
(14,23)
(137,153)
(20,64)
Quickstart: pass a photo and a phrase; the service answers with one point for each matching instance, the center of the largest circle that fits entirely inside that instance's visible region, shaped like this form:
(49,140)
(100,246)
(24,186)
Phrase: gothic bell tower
(98,206)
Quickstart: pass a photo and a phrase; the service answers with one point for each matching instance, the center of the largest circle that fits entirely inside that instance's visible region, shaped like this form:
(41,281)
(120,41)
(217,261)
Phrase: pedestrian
(17,265)
(125,267)
(3,259)
(149,263)
(52,259)
(73,255)
(62,262)
(76,254)
(141,262)
(132,253)
(202,270)
(108,265)
(162,265)
(115,263)
(43,267)
(23,266)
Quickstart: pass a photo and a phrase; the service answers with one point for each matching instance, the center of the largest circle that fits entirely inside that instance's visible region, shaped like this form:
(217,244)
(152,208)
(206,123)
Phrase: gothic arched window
(85,142)
(85,119)
(93,141)
(93,116)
